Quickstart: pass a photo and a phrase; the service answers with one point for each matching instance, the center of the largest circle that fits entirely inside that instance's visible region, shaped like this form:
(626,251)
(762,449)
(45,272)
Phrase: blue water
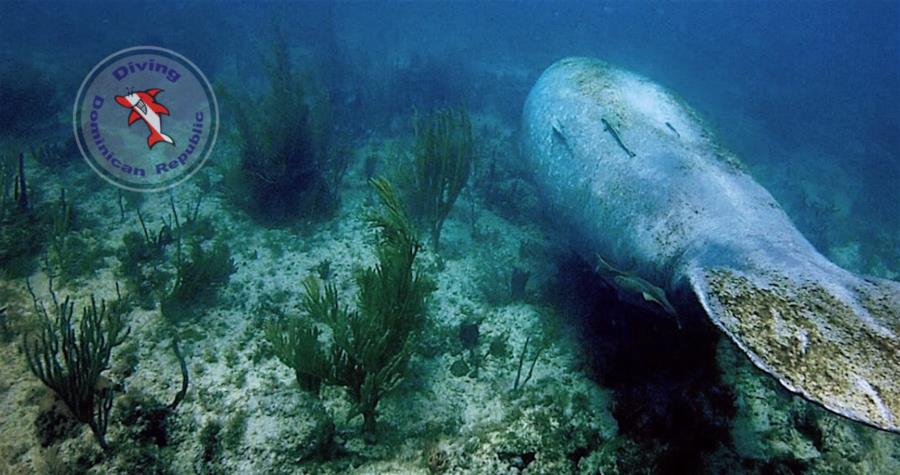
(807,94)
(810,87)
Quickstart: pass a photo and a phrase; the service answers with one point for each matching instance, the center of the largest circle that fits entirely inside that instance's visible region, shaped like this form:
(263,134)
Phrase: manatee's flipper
(825,333)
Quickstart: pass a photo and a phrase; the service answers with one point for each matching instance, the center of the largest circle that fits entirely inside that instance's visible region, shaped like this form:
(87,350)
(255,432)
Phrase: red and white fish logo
(143,105)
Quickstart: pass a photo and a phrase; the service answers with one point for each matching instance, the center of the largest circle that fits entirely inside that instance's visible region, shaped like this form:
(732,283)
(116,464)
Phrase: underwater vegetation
(288,166)
(62,249)
(442,161)
(184,280)
(71,255)
(19,222)
(370,345)
(141,258)
(28,226)
(198,276)
(501,179)
(71,362)
(56,154)
(523,378)
(517,282)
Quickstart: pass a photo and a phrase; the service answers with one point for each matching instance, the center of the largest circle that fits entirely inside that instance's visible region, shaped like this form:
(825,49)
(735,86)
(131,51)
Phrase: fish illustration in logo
(143,105)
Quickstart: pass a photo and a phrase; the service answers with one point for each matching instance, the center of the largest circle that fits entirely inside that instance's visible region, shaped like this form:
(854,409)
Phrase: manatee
(634,175)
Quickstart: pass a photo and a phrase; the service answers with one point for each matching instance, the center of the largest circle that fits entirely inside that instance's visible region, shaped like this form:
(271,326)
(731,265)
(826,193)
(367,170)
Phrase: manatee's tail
(825,333)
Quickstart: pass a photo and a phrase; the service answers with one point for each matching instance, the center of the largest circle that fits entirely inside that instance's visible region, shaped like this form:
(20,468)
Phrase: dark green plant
(442,161)
(296,344)
(146,425)
(197,280)
(234,430)
(518,280)
(56,154)
(459,368)
(141,260)
(145,419)
(185,381)
(62,221)
(21,230)
(69,255)
(469,335)
(211,447)
(4,326)
(14,183)
(520,382)
(373,344)
(498,347)
(154,246)
(52,425)
(370,346)
(71,362)
(193,227)
(144,262)
(323,268)
(288,167)
(129,199)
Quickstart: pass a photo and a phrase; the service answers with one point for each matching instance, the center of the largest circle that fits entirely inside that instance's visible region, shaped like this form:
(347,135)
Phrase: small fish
(673,129)
(143,105)
(628,284)
(609,128)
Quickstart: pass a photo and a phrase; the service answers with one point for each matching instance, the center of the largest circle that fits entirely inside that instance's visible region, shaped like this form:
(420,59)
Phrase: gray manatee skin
(684,214)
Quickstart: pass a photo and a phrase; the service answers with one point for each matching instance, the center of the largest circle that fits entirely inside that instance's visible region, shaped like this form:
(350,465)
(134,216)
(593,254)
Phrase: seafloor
(628,394)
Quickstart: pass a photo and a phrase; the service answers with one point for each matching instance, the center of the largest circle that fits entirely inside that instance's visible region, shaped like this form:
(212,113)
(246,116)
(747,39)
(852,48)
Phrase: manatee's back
(645,209)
